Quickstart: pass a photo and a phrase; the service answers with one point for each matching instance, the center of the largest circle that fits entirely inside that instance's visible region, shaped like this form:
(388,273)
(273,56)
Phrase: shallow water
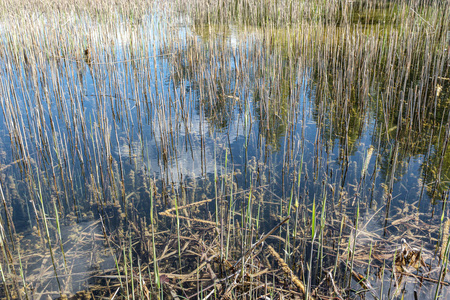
(198,109)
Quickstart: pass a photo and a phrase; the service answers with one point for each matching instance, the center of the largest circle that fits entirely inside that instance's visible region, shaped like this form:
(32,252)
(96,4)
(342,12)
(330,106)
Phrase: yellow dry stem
(199,203)
(445,238)
(167,213)
(287,270)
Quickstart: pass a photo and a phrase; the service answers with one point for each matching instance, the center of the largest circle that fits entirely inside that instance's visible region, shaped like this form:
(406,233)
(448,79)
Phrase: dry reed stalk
(188,219)
(287,270)
(445,239)
(195,204)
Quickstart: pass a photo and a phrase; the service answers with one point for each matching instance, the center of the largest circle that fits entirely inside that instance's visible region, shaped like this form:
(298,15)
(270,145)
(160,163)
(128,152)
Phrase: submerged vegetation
(232,149)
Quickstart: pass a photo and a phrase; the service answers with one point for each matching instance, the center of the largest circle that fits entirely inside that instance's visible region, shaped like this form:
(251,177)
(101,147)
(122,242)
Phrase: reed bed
(224,149)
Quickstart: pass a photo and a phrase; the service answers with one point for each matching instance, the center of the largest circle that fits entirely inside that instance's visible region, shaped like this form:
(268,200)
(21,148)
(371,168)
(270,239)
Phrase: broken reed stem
(287,270)
(167,212)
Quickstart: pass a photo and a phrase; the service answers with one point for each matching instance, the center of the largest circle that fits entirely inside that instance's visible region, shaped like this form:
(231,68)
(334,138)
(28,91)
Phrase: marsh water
(151,114)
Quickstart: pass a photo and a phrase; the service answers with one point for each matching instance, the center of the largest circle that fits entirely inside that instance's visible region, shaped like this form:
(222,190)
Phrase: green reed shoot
(313,237)
(141,280)
(152,224)
(116,262)
(338,258)
(443,271)
(4,282)
(130,257)
(355,236)
(322,228)
(231,218)
(178,231)
(125,268)
(22,274)
(296,204)
(60,236)
(287,244)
